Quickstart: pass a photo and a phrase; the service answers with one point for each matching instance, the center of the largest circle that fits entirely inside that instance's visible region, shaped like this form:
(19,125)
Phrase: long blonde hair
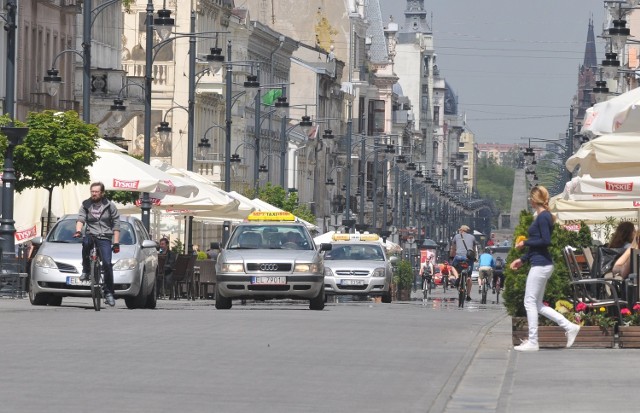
(540,196)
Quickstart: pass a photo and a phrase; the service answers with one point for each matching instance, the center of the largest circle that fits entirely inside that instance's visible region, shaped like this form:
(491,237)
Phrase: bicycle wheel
(429,286)
(484,291)
(498,291)
(461,290)
(445,281)
(96,293)
(424,290)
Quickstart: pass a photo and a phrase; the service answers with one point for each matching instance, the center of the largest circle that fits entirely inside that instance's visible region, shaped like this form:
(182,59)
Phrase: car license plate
(268,280)
(76,281)
(352,282)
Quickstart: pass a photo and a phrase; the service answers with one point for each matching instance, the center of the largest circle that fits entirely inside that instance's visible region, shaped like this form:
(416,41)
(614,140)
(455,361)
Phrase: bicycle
(426,287)
(498,286)
(484,287)
(462,282)
(96,278)
(445,282)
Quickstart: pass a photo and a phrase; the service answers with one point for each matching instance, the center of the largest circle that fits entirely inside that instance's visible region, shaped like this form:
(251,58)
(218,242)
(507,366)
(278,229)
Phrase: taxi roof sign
(355,237)
(271,216)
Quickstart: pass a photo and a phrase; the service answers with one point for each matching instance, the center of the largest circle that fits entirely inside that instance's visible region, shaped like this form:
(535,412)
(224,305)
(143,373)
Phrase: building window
(376,117)
(436,115)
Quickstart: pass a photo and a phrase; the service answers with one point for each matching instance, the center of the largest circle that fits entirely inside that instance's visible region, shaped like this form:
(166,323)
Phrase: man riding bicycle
(463,242)
(102,223)
(486,265)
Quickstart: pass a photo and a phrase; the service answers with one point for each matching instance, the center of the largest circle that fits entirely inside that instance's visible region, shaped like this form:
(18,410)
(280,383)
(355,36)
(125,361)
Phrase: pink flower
(636,307)
(581,307)
(625,311)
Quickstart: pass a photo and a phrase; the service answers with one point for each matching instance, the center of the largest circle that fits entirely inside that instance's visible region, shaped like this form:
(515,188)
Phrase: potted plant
(596,331)
(403,280)
(629,330)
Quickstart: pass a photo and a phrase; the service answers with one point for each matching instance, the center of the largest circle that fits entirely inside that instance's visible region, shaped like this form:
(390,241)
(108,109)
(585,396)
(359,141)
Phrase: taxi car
(358,265)
(270,257)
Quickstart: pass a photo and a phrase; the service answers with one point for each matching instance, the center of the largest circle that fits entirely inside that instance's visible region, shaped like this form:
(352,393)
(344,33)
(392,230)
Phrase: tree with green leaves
(287,201)
(58,150)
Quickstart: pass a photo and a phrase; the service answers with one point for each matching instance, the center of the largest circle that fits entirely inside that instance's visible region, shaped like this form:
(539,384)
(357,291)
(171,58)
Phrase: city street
(355,356)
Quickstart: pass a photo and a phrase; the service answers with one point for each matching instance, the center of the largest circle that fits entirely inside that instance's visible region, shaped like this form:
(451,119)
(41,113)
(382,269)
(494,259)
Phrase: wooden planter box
(553,336)
(629,336)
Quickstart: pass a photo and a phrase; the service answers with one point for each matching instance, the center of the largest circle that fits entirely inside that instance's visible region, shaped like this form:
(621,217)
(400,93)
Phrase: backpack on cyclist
(499,264)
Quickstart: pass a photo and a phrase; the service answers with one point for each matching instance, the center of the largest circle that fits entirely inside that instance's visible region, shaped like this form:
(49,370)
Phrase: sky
(513,64)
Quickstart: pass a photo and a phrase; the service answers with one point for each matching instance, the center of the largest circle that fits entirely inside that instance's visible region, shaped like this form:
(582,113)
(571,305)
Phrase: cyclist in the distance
(102,223)
(486,264)
(463,242)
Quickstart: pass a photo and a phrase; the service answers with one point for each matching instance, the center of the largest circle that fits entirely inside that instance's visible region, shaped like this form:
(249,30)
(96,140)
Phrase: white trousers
(533,294)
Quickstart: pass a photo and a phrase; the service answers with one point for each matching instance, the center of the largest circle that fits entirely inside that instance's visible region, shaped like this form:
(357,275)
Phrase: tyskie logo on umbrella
(619,186)
(119,183)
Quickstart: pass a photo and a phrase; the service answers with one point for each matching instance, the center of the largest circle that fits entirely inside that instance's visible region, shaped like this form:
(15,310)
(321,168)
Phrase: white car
(475,273)
(358,268)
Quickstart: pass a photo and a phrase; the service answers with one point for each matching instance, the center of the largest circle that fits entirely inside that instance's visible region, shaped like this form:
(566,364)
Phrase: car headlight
(379,272)
(310,268)
(328,272)
(125,264)
(44,261)
(232,268)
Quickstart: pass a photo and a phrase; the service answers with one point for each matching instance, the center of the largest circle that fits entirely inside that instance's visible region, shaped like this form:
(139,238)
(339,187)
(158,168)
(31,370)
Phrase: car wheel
(137,301)
(38,299)
(55,300)
(152,298)
(317,302)
(222,302)
(386,297)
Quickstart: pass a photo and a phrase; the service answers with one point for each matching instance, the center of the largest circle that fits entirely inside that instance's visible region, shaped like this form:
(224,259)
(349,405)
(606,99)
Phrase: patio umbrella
(619,114)
(571,211)
(588,188)
(608,156)
(121,172)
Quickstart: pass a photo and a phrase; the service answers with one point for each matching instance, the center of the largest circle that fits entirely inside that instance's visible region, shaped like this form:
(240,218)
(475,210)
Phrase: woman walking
(541,269)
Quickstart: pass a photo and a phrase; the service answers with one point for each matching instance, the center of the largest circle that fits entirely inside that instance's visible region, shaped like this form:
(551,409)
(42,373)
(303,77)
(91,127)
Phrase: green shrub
(558,287)
(403,276)
(202,255)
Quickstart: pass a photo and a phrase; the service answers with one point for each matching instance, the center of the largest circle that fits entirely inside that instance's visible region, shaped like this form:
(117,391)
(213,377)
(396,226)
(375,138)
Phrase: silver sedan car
(358,268)
(56,268)
(270,260)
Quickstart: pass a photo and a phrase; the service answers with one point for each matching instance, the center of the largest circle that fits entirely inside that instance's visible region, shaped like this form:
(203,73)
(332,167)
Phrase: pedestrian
(167,271)
(538,256)
(212,253)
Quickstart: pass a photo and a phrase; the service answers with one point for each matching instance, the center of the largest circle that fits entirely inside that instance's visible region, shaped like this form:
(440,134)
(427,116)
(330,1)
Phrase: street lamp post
(15,137)
(227,149)
(86,61)
(256,166)
(347,209)
(10,27)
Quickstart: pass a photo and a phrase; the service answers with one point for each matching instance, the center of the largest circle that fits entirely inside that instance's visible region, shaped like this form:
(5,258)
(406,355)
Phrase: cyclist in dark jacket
(101,220)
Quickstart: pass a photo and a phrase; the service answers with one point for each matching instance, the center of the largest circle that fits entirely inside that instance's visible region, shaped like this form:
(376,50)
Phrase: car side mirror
(148,243)
(37,241)
(325,247)
(393,260)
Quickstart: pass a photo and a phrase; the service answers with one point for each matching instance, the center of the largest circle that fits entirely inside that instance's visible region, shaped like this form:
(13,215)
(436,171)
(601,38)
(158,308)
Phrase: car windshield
(270,237)
(355,252)
(64,230)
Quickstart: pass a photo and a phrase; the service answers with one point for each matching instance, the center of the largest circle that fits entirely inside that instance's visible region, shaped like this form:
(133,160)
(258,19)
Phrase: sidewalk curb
(448,390)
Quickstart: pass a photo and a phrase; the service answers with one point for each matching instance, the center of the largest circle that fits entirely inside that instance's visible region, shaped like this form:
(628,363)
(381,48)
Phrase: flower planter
(629,336)
(554,337)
